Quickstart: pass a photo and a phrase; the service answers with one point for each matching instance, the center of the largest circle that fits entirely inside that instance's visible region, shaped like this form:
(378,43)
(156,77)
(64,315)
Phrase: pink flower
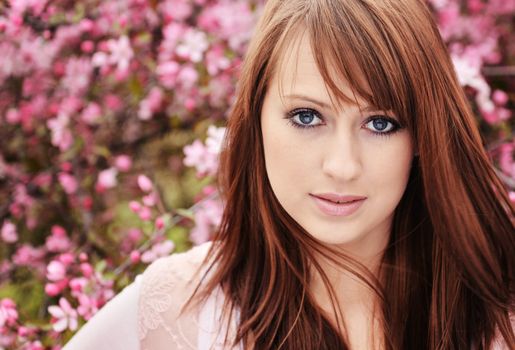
(120,52)
(61,135)
(107,178)
(34,345)
(150,200)
(56,271)
(177,10)
(145,213)
(188,77)
(92,113)
(160,223)
(194,44)
(27,255)
(135,257)
(500,97)
(135,206)
(8,313)
(216,60)
(157,251)
(144,183)
(68,182)
(65,315)
(167,73)
(215,137)
(123,162)
(77,76)
(87,306)
(207,217)
(197,155)
(58,241)
(151,104)
(9,234)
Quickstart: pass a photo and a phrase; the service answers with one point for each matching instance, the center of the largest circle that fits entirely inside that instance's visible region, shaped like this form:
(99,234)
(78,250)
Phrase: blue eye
(382,125)
(304,118)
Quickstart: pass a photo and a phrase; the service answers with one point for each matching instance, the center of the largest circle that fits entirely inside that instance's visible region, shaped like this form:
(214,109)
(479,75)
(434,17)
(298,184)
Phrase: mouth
(338,205)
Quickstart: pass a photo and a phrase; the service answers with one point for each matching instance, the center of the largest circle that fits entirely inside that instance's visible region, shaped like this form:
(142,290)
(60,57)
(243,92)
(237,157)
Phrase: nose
(342,159)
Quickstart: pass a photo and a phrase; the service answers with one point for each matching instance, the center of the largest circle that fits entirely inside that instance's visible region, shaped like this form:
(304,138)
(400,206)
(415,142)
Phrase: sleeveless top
(146,315)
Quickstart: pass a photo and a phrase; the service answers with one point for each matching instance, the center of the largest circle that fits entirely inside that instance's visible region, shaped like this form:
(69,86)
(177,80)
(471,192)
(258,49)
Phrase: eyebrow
(323,104)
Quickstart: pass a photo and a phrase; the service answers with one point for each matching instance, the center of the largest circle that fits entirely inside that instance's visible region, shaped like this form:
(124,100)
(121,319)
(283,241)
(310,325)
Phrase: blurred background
(111,119)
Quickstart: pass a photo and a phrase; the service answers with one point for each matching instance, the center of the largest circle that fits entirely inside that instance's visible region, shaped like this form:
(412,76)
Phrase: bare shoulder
(166,285)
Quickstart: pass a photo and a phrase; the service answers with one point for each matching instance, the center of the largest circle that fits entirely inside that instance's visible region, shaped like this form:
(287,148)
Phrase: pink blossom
(150,200)
(144,183)
(167,73)
(78,284)
(172,33)
(34,345)
(9,234)
(500,97)
(216,60)
(160,223)
(107,178)
(56,271)
(53,289)
(13,116)
(77,76)
(135,256)
(92,113)
(58,240)
(198,156)
(207,217)
(188,76)
(113,102)
(215,137)
(135,206)
(120,54)
(8,313)
(27,255)
(177,10)
(229,20)
(87,306)
(193,45)
(86,269)
(68,182)
(151,104)
(157,251)
(61,135)
(65,316)
(123,162)
(145,213)
(66,258)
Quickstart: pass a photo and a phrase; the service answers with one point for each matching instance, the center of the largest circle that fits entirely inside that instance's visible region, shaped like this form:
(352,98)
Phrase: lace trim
(165,287)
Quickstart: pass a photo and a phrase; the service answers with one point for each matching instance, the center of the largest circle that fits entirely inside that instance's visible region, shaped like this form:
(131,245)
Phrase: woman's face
(317,155)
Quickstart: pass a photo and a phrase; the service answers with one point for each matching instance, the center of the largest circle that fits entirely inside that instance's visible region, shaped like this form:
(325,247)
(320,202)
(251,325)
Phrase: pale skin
(350,149)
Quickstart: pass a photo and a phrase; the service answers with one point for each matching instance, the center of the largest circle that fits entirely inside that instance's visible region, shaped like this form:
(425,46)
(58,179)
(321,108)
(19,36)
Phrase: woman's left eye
(382,125)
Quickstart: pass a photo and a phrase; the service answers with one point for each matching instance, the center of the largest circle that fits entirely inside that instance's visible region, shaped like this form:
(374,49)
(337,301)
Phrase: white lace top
(146,314)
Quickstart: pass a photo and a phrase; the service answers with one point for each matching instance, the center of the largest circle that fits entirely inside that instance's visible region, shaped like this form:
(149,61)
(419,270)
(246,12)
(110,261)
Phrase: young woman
(361,211)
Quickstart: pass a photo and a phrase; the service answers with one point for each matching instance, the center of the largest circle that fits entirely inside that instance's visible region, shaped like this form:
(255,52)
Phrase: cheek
(392,165)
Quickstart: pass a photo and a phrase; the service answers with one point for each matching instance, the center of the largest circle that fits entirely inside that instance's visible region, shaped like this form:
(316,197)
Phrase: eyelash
(295,112)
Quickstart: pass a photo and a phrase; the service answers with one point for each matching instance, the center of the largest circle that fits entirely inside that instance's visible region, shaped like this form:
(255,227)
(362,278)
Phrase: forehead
(298,71)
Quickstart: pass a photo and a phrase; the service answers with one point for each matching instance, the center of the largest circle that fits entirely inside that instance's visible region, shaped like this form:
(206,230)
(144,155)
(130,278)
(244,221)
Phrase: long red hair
(447,274)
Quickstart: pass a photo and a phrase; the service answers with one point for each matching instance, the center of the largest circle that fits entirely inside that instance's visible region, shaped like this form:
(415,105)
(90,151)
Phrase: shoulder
(165,286)
(178,267)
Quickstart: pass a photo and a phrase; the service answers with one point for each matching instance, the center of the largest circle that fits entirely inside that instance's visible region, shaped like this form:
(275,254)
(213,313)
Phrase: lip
(338,205)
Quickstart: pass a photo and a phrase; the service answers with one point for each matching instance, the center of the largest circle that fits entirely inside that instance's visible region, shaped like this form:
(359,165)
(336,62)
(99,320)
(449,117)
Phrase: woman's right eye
(305,118)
